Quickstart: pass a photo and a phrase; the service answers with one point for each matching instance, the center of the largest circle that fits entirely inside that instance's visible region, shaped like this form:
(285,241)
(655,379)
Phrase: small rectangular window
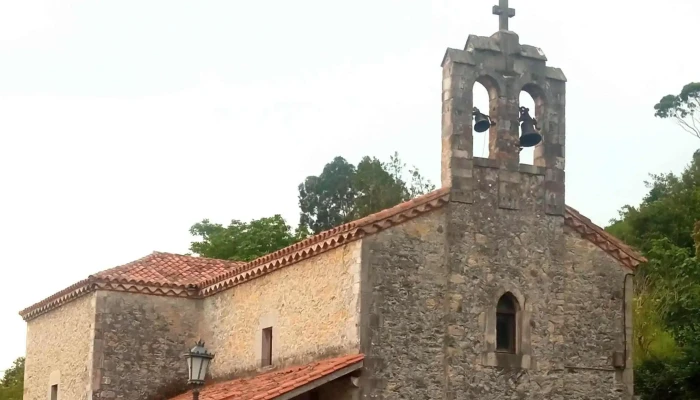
(267,347)
(54,392)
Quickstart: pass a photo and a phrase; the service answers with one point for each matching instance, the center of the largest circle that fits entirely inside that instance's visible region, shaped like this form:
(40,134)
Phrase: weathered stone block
(509,195)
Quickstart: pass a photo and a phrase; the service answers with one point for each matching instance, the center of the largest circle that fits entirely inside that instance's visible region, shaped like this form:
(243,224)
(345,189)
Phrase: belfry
(505,67)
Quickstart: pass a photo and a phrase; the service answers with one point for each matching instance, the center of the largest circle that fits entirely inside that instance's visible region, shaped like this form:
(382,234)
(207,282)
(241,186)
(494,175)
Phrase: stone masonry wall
(58,351)
(596,305)
(140,340)
(312,307)
(403,293)
(430,290)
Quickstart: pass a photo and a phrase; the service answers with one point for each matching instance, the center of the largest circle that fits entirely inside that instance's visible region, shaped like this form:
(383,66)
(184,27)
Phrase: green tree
(343,192)
(328,200)
(12,382)
(667,290)
(670,367)
(669,211)
(376,188)
(243,241)
(684,108)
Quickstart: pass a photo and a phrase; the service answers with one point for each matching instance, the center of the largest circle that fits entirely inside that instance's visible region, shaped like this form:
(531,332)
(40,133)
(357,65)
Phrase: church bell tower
(505,68)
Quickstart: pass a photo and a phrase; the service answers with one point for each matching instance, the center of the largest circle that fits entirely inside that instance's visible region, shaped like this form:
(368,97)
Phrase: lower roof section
(281,384)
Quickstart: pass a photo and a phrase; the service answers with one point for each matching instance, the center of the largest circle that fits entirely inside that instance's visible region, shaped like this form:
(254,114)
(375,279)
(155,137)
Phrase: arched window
(506,323)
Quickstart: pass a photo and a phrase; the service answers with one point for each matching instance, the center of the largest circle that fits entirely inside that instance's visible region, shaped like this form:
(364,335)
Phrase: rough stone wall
(570,294)
(59,344)
(312,307)
(599,310)
(403,293)
(139,341)
(432,284)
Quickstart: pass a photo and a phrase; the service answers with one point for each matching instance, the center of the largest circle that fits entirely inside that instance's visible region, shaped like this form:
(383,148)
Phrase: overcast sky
(122,123)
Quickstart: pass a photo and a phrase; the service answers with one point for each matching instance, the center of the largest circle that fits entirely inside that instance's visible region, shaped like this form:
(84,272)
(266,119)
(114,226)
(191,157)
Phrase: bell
(482,123)
(529,136)
(528,129)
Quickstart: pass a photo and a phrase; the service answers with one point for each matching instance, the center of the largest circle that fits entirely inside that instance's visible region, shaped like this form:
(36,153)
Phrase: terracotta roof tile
(328,240)
(167,269)
(177,275)
(267,386)
(157,273)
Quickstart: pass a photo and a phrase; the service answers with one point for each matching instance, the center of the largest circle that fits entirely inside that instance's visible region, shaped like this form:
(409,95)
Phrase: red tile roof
(328,240)
(185,276)
(157,273)
(167,269)
(267,386)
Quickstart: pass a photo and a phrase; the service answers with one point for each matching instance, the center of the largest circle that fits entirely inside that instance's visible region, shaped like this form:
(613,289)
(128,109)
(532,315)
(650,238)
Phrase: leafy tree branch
(683,108)
(12,382)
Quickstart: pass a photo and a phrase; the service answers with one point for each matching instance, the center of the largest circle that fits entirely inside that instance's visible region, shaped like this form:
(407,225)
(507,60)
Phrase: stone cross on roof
(503,13)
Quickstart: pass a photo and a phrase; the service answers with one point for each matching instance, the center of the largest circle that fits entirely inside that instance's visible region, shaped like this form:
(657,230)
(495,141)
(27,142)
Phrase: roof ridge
(196,257)
(319,237)
(96,274)
(236,272)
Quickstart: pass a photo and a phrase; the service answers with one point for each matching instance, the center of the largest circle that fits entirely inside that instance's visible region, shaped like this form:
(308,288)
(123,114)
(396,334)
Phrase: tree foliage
(328,200)
(669,211)
(341,193)
(684,108)
(344,192)
(242,241)
(12,382)
(667,289)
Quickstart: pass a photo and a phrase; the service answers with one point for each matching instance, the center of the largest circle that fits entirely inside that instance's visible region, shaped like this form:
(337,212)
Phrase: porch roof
(281,384)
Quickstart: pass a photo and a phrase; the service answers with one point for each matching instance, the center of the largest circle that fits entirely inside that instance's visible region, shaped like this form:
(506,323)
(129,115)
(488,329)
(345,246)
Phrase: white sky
(122,123)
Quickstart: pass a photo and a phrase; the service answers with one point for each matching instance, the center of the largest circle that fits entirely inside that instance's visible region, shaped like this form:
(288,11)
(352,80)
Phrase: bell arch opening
(533,100)
(481,104)
(485,101)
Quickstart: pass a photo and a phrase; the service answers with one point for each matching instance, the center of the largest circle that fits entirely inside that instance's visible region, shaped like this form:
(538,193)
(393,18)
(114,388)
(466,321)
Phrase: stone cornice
(66,295)
(92,284)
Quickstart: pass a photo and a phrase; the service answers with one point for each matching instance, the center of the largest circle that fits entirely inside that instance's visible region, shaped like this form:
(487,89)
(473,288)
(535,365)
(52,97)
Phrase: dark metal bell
(528,129)
(482,123)
(529,136)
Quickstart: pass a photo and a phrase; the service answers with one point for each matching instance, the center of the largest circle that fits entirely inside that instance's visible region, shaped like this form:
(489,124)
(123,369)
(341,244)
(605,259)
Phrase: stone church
(487,288)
